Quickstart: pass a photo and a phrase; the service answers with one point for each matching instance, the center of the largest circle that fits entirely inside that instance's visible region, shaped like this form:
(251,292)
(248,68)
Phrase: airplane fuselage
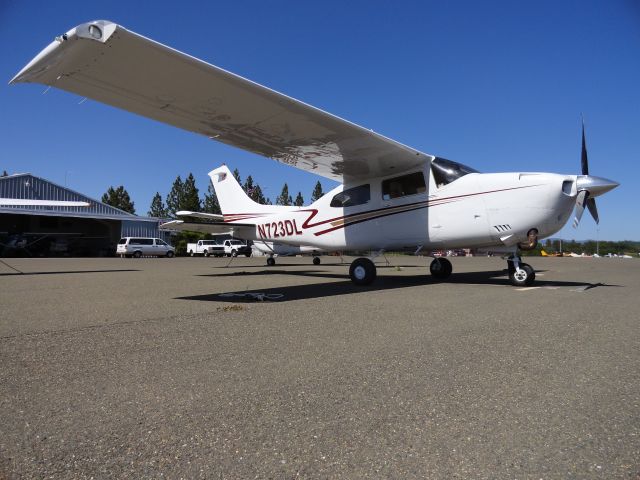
(475,210)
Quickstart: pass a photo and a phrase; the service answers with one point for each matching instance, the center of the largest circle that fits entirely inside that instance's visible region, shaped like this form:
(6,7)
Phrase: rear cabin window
(403,186)
(352,196)
(122,241)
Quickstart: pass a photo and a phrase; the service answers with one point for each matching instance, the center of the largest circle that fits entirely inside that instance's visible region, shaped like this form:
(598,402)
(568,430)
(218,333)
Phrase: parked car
(233,248)
(139,246)
(206,248)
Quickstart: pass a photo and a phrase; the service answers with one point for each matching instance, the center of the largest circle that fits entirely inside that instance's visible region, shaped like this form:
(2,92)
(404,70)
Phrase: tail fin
(233,199)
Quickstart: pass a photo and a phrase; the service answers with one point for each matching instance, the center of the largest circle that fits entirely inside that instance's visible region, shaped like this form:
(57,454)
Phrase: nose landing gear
(520,274)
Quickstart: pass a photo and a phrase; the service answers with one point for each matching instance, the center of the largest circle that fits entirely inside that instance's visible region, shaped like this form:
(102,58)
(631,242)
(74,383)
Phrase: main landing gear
(362,271)
(440,268)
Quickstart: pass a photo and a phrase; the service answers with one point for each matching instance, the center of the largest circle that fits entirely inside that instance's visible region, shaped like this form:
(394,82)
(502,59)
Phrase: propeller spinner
(589,187)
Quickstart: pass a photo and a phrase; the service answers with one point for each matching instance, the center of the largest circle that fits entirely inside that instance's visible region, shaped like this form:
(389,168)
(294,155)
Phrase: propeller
(589,187)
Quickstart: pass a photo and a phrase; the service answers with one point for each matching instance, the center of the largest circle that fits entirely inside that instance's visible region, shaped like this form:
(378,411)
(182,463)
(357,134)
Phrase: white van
(139,246)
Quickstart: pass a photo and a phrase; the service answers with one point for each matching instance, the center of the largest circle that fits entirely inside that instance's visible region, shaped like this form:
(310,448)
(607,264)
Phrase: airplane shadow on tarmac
(383,282)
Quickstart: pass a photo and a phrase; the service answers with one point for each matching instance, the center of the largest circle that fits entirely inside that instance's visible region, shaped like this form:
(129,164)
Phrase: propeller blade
(580,201)
(591,205)
(584,160)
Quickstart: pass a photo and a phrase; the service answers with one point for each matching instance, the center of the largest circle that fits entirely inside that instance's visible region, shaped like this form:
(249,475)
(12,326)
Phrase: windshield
(447,171)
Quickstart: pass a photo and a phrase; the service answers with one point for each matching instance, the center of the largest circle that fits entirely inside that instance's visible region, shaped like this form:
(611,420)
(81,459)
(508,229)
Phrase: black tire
(206,253)
(248,254)
(234,253)
(523,277)
(316,260)
(137,254)
(440,268)
(362,271)
(169,254)
(271,261)
(191,253)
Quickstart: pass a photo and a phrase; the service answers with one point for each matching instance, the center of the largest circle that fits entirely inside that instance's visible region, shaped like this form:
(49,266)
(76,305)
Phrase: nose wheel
(271,261)
(440,268)
(520,274)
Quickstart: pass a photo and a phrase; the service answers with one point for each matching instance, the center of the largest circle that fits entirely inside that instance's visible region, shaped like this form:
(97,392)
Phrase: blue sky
(498,85)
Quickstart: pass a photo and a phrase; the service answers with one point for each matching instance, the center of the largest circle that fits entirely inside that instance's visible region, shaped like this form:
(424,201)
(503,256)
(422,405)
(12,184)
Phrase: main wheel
(137,254)
(316,260)
(362,271)
(271,261)
(170,254)
(440,268)
(523,276)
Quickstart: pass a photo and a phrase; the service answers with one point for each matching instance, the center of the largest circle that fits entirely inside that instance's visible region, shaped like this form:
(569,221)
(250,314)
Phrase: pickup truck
(206,248)
(233,248)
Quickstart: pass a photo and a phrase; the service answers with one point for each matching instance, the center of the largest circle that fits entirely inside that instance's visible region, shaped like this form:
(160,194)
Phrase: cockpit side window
(446,171)
(402,186)
(352,196)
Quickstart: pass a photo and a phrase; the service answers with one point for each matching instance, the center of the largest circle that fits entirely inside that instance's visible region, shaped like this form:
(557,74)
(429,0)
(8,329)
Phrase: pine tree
(4,174)
(253,190)
(317,192)
(299,202)
(284,198)
(236,174)
(211,204)
(248,185)
(258,196)
(157,210)
(119,198)
(174,199)
(191,197)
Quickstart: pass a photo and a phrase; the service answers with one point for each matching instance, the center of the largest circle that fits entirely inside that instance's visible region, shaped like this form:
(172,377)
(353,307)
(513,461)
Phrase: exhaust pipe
(532,240)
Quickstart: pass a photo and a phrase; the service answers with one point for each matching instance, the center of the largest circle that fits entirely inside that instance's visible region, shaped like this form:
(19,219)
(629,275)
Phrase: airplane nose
(595,185)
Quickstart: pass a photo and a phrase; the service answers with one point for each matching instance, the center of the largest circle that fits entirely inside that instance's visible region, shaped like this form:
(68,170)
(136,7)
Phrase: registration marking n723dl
(283,228)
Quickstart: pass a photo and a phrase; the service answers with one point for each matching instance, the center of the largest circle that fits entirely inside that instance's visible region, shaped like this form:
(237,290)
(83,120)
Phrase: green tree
(284,198)
(4,174)
(157,210)
(253,190)
(190,195)
(211,204)
(174,199)
(299,201)
(119,198)
(236,174)
(317,192)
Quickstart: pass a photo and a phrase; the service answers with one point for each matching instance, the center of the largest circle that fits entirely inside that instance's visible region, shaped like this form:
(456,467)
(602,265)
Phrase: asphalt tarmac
(126,368)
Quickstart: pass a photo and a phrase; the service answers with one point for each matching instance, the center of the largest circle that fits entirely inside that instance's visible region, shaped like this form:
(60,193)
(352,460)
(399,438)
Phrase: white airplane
(271,249)
(392,196)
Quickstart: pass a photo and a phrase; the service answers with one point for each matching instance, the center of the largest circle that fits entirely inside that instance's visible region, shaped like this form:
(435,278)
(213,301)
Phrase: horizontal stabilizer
(206,216)
(215,228)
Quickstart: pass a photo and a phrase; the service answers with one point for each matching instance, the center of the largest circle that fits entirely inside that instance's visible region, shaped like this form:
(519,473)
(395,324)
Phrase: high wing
(106,62)
(217,228)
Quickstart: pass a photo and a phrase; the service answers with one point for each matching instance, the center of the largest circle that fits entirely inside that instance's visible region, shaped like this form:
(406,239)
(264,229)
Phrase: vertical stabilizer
(233,199)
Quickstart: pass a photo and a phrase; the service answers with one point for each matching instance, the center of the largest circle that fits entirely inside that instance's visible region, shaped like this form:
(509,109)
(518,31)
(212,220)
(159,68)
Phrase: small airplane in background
(391,196)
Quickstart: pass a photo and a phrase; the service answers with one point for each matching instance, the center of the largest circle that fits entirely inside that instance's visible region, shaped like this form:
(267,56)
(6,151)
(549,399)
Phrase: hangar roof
(29,187)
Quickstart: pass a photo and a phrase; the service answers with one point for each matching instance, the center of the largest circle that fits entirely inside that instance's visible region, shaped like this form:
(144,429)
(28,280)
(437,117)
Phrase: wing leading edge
(108,63)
